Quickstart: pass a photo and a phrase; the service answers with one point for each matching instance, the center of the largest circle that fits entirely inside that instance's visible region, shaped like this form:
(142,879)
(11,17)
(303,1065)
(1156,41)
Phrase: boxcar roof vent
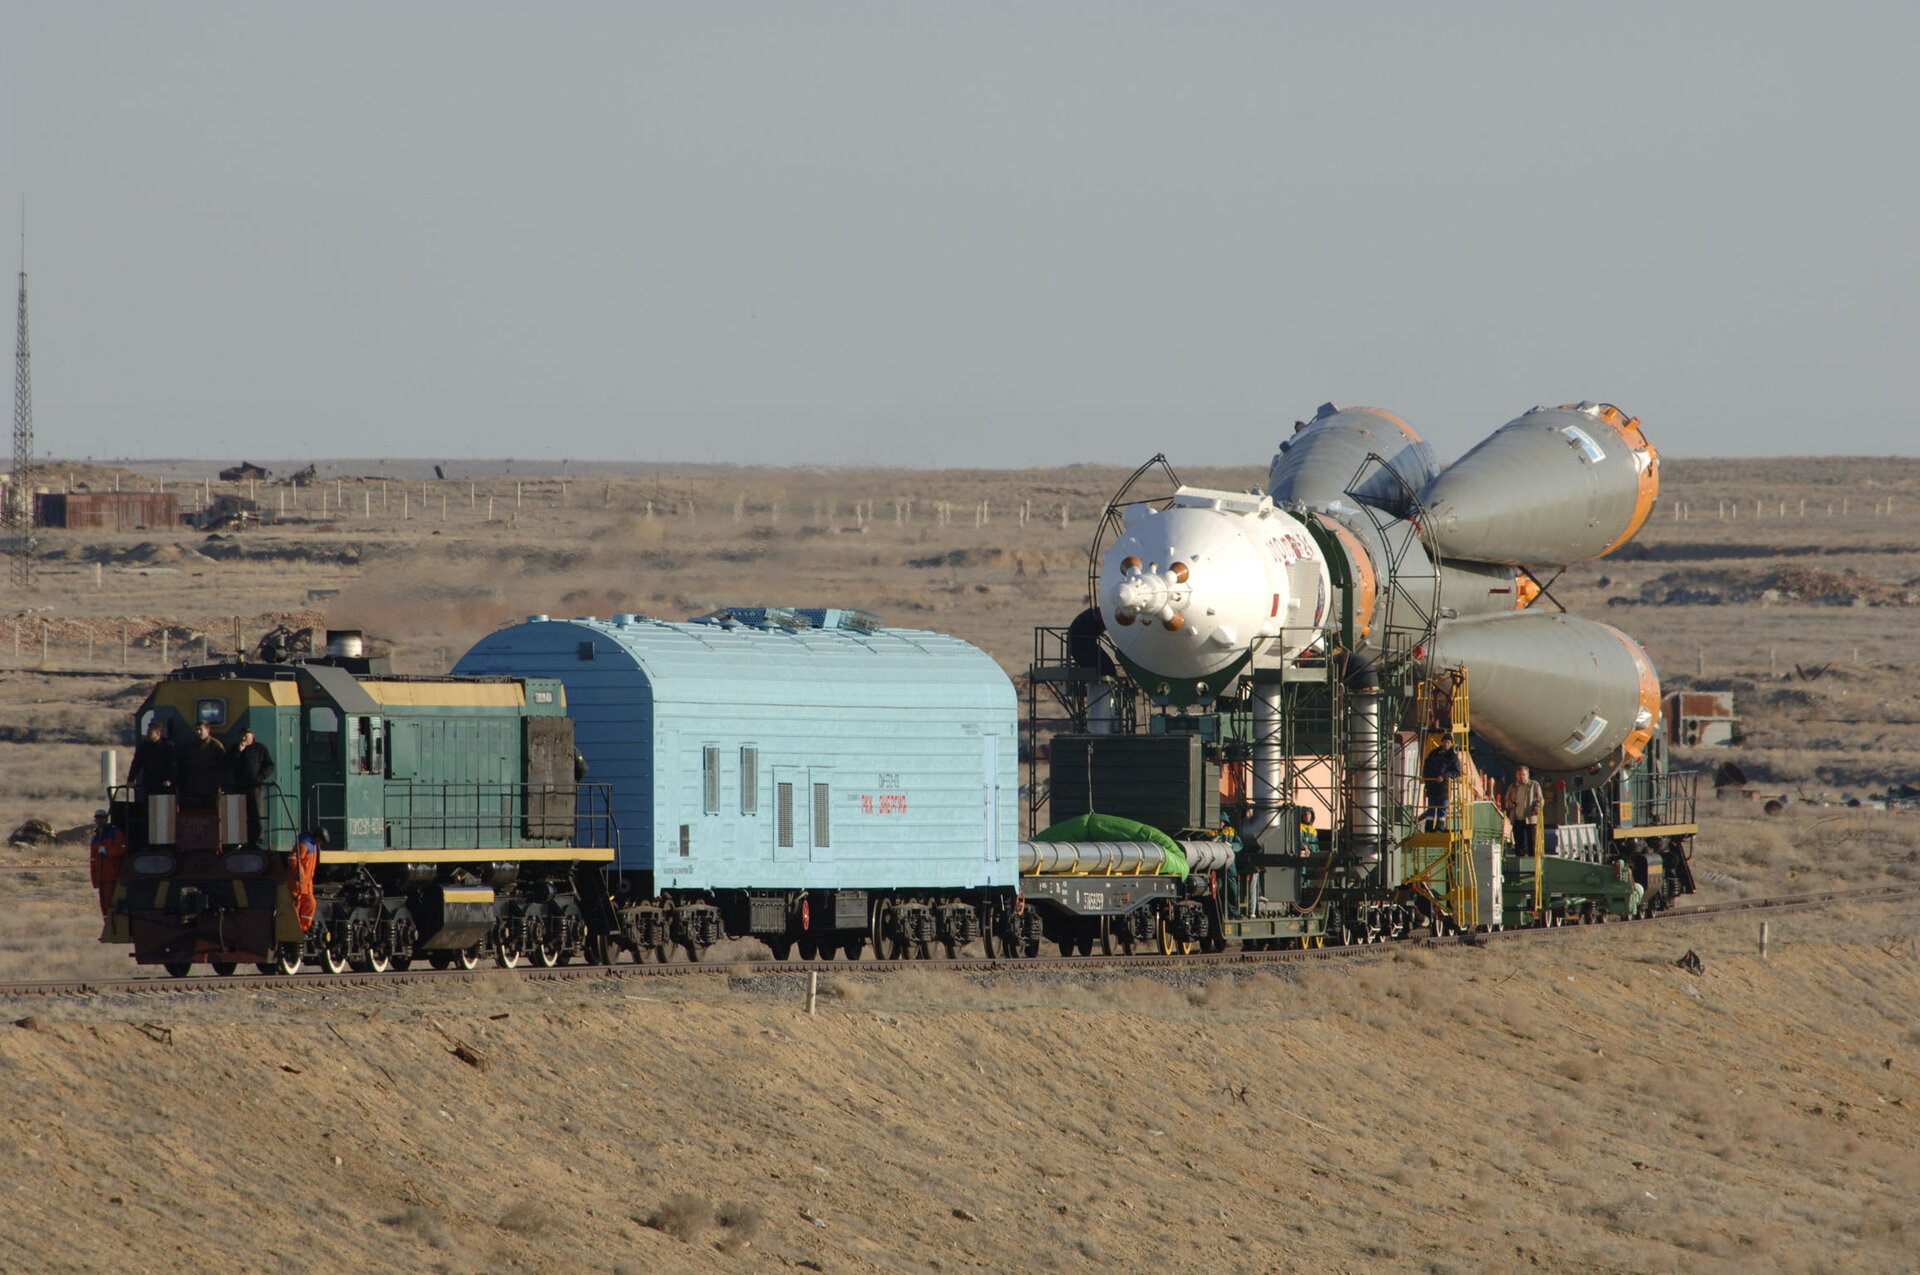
(843,618)
(758,617)
(536,619)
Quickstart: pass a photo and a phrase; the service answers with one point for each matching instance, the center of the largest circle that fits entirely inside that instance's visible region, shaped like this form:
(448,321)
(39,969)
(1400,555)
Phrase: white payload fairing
(1361,541)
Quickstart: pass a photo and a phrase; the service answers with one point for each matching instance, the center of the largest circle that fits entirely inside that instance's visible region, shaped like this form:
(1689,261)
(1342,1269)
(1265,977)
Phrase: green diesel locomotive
(401,818)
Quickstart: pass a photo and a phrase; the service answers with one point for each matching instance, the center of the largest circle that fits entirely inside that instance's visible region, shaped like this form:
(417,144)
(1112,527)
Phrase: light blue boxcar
(784,750)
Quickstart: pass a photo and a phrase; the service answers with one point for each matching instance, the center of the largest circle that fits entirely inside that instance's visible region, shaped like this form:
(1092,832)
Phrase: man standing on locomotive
(155,762)
(252,770)
(205,766)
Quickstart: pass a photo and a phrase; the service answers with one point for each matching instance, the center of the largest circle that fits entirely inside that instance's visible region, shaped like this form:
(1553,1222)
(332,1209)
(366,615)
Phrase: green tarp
(1094,827)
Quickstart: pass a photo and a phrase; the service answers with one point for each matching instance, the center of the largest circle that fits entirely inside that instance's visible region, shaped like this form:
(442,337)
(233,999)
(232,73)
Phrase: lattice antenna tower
(20,491)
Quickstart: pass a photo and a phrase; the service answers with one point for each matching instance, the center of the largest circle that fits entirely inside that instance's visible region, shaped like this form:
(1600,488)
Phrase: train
(1231,745)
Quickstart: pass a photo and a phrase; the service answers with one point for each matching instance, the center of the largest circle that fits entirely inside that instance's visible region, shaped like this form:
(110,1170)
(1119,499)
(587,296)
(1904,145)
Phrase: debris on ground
(34,832)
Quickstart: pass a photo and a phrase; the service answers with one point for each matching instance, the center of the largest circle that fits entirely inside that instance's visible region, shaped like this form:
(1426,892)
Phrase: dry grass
(1584,1105)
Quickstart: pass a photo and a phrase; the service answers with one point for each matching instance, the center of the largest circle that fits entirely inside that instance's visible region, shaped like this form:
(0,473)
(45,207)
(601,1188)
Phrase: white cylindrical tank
(1188,591)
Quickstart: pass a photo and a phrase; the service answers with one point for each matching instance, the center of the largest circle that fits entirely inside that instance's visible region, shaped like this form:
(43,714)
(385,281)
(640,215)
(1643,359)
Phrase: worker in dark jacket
(252,771)
(1442,765)
(156,762)
(202,770)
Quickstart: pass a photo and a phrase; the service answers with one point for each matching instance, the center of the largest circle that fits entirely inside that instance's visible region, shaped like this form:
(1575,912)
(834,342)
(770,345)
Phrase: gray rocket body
(1557,693)
(1318,465)
(1557,486)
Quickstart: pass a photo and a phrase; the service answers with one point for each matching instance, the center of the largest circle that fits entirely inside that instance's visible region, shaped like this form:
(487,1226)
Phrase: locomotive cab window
(323,734)
(210,712)
(363,737)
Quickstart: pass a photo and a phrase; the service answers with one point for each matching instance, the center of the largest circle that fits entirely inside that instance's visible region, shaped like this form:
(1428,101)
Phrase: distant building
(1700,718)
(106,510)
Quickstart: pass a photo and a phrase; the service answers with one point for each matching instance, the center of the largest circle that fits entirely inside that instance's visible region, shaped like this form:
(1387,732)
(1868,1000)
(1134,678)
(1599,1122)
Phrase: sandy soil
(1581,1107)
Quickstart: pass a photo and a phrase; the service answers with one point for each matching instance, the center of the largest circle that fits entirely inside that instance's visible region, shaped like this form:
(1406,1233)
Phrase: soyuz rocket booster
(1360,535)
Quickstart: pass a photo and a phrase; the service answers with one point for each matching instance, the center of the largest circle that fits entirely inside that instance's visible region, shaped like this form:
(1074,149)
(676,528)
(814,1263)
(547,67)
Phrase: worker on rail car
(1442,766)
(1524,802)
(104,855)
(300,868)
(251,771)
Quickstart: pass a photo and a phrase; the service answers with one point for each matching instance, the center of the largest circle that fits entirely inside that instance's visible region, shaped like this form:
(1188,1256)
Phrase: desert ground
(1583,1105)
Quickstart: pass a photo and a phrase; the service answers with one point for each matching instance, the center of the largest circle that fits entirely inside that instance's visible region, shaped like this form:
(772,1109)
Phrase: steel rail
(971,965)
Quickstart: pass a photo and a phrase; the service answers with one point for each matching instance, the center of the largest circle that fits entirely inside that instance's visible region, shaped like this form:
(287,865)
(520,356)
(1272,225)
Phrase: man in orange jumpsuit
(109,847)
(300,865)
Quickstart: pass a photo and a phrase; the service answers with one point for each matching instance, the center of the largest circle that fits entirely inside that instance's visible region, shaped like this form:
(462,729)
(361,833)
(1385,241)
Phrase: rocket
(1362,544)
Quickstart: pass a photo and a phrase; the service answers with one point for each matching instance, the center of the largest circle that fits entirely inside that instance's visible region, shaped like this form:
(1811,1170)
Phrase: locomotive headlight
(153,865)
(245,863)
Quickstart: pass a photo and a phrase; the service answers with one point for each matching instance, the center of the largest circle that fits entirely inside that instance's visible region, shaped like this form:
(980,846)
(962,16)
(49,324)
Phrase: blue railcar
(806,776)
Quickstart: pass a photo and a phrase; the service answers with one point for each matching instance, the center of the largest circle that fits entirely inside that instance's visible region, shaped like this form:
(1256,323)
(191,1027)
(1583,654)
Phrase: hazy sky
(964,234)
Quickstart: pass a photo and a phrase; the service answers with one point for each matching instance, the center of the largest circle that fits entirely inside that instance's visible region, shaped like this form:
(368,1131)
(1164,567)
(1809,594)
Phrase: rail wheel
(990,938)
(224,968)
(663,953)
(467,958)
(440,960)
(1168,944)
(781,948)
(1083,942)
(376,962)
(545,955)
(1106,936)
(807,948)
(1066,947)
(506,957)
(886,947)
(179,969)
(334,959)
(696,952)
(291,960)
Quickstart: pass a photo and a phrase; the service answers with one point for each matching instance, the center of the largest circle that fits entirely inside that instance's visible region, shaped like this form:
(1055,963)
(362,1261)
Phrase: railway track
(576,973)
